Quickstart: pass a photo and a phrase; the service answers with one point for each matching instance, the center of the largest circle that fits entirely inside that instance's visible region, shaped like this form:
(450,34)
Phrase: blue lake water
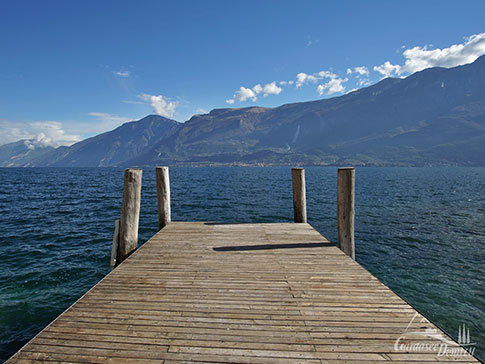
(419,230)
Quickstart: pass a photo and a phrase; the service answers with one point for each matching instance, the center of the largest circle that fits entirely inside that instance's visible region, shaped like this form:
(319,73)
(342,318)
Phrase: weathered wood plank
(235,293)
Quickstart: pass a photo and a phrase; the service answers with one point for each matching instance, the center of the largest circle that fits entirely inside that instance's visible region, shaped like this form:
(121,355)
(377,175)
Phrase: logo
(421,336)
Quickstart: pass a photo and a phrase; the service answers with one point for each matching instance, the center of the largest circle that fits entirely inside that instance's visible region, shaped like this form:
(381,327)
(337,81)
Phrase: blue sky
(72,69)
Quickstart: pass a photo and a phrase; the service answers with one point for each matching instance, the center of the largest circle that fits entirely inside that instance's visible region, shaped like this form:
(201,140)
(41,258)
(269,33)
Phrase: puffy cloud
(333,86)
(40,133)
(271,89)
(419,58)
(388,69)
(258,89)
(245,93)
(362,71)
(300,79)
(160,104)
(349,71)
(303,78)
(52,133)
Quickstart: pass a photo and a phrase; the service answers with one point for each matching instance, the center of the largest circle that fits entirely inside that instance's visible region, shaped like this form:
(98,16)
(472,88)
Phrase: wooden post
(130,214)
(299,194)
(163,195)
(345,210)
(114,247)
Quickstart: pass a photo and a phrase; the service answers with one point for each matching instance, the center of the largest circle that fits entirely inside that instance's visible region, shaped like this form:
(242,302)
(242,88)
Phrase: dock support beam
(130,214)
(345,210)
(299,194)
(163,196)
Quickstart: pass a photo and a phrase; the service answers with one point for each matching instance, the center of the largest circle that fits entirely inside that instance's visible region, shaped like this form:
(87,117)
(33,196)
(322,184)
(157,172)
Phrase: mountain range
(433,117)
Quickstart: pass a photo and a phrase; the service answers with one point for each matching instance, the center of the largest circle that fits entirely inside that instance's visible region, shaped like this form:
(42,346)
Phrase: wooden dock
(239,293)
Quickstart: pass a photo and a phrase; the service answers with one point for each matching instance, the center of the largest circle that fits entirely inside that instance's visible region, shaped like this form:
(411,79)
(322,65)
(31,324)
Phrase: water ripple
(419,230)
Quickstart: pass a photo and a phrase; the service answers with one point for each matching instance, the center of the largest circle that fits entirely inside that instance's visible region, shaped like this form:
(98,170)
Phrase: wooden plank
(236,293)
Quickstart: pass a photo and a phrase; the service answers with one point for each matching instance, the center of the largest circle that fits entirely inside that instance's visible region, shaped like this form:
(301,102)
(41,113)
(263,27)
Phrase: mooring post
(114,247)
(346,210)
(130,214)
(299,194)
(163,196)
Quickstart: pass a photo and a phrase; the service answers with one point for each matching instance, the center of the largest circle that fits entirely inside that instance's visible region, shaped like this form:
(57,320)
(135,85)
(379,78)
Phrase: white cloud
(160,104)
(326,74)
(41,133)
(333,86)
(419,58)
(122,73)
(258,89)
(303,78)
(245,93)
(300,79)
(283,83)
(388,69)
(52,133)
(362,71)
(271,89)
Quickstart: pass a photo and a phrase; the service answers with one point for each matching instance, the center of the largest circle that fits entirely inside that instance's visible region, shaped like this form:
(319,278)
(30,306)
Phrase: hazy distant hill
(21,153)
(111,148)
(436,116)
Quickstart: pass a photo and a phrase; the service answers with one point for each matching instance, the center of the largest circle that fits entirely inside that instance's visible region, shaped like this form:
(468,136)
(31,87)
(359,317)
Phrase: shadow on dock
(271,246)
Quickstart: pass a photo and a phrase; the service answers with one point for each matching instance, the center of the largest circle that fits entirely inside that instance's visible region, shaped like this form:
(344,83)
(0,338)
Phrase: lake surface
(421,231)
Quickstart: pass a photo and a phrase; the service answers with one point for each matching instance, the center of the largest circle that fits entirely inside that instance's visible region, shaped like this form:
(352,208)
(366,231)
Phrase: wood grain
(236,293)
(299,194)
(163,196)
(130,214)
